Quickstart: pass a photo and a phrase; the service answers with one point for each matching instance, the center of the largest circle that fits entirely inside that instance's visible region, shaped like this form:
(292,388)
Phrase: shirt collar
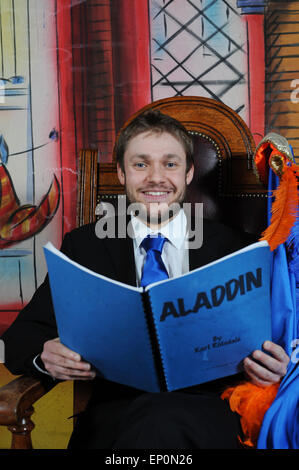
(174,231)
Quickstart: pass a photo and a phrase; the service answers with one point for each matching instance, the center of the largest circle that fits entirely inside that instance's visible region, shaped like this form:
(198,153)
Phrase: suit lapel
(195,258)
(195,255)
(121,253)
(208,251)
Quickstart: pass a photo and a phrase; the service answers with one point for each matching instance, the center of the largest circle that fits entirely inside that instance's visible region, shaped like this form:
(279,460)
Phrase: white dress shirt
(175,254)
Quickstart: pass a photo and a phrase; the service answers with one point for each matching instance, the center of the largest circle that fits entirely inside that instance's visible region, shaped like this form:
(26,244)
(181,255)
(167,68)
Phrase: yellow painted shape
(52,426)
(7,38)
(14,27)
(22,37)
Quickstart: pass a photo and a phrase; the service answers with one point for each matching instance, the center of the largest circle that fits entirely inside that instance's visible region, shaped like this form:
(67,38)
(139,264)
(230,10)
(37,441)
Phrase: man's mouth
(155,195)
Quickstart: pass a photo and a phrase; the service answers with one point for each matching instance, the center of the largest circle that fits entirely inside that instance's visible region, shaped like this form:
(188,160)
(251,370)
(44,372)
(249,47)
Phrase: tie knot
(155,243)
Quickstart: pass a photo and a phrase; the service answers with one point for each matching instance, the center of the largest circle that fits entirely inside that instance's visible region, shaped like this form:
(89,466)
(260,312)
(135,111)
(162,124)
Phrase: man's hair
(156,122)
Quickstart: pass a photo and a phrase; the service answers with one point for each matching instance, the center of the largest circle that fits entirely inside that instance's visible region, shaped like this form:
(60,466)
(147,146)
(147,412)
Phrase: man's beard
(157,213)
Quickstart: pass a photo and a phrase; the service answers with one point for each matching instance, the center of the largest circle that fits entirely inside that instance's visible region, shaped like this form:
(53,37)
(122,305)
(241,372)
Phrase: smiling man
(155,171)
(154,163)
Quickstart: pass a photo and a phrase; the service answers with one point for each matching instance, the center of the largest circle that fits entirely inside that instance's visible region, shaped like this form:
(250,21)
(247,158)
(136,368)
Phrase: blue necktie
(153,269)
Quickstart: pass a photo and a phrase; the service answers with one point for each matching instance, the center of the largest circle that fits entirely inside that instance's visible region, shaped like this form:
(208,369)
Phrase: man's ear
(189,175)
(120,174)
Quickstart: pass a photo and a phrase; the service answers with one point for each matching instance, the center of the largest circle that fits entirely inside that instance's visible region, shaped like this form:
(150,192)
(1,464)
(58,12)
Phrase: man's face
(155,173)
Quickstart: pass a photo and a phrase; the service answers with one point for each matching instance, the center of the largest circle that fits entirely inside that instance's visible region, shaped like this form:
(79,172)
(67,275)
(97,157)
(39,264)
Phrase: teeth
(156,193)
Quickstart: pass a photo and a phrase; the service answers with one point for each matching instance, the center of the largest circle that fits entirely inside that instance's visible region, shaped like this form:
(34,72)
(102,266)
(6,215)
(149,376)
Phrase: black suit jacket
(113,258)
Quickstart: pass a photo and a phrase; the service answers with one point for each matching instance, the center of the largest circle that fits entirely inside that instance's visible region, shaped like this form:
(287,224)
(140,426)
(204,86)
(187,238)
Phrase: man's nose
(156,174)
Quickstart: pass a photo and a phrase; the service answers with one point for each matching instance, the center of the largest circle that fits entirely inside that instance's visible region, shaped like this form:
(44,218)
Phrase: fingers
(277,357)
(258,374)
(65,364)
(64,373)
(266,369)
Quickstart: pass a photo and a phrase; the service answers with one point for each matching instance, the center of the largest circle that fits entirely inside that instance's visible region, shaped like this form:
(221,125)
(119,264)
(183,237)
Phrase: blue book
(175,333)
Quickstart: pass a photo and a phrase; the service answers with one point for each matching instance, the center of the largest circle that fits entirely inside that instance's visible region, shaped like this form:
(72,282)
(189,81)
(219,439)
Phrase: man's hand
(64,364)
(266,368)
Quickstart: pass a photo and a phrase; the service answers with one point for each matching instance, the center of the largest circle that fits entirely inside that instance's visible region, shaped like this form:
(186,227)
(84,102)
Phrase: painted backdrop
(71,73)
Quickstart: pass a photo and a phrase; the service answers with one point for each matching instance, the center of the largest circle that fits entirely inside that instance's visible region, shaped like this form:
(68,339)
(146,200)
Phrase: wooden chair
(224,180)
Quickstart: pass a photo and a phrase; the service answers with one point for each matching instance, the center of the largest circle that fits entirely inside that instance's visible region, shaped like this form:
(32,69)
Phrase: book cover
(174,334)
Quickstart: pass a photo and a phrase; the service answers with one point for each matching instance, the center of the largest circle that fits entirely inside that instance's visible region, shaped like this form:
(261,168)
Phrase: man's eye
(140,165)
(170,164)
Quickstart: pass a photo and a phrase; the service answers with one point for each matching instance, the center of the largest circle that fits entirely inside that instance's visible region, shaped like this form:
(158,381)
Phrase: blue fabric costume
(280,427)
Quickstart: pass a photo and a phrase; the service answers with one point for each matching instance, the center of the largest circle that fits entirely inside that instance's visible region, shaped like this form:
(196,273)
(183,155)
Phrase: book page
(209,321)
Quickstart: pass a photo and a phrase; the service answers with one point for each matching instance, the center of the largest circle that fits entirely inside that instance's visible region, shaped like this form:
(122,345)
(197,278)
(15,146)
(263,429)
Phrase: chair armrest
(18,396)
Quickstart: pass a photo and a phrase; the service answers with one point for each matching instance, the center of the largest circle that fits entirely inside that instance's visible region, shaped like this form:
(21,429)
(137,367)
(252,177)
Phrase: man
(154,162)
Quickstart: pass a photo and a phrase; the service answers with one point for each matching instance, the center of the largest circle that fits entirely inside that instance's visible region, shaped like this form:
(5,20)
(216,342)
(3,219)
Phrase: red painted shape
(256,75)
(8,314)
(7,318)
(68,155)
(131,57)
(79,32)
